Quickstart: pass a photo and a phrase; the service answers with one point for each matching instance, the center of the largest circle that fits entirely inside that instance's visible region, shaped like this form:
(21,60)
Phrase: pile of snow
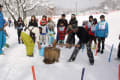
(15,65)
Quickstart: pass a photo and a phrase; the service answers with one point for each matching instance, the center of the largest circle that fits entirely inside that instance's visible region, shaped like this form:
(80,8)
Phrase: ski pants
(101,40)
(76,51)
(93,38)
(19,34)
(2,40)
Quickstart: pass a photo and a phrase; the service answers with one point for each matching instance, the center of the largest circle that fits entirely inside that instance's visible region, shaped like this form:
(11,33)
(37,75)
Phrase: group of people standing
(46,29)
(91,30)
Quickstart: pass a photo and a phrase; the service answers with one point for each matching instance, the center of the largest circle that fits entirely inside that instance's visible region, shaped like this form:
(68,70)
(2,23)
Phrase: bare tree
(19,8)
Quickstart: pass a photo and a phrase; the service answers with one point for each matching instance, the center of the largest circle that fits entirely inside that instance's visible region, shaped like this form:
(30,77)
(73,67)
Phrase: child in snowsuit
(44,18)
(63,21)
(20,25)
(119,50)
(101,32)
(92,32)
(51,35)
(44,34)
(61,32)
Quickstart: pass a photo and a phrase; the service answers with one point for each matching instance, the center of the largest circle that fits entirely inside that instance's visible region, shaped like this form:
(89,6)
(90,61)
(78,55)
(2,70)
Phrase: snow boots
(29,43)
(51,55)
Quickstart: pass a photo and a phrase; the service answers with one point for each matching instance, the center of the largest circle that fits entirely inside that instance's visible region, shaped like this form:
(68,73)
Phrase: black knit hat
(91,17)
(63,15)
(102,16)
(1,6)
(73,15)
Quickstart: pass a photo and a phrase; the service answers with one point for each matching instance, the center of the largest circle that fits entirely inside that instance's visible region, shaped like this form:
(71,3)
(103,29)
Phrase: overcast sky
(82,4)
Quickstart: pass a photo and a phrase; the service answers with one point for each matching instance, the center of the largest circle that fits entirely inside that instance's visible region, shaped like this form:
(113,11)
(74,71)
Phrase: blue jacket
(2,21)
(2,33)
(101,29)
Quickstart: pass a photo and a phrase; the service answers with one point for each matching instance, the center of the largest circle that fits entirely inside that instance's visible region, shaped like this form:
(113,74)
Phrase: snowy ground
(15,65)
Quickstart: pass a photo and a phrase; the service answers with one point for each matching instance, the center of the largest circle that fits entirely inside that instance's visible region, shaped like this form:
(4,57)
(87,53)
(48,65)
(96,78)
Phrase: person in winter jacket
(44,34)
(118,55)
(9,22)
(20,25)
(73,21)
(44,18)
(92,32)
(51,35)
(90,22)
(61,31)
(63,21)
(3,24)
(101,32)
(84,38)
(50,23)
(33,22)
(71,35)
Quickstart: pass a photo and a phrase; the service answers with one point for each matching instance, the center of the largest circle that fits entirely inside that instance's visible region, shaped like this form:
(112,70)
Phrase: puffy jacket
(2,21)
(83,35)
(61,31)
(101,29)
(34,24)
(20,25)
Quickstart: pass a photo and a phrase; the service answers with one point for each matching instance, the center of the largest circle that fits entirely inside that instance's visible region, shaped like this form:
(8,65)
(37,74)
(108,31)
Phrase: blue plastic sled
(41,51)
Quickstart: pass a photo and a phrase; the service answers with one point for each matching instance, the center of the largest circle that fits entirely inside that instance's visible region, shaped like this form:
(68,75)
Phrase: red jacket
(91,33)
(44,21)
(61,33)
(92,30)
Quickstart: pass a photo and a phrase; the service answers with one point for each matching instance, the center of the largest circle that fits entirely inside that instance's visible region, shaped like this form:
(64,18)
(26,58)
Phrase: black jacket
(19,24)
(83,35)
(34,24)
(64,21)
(74,22)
